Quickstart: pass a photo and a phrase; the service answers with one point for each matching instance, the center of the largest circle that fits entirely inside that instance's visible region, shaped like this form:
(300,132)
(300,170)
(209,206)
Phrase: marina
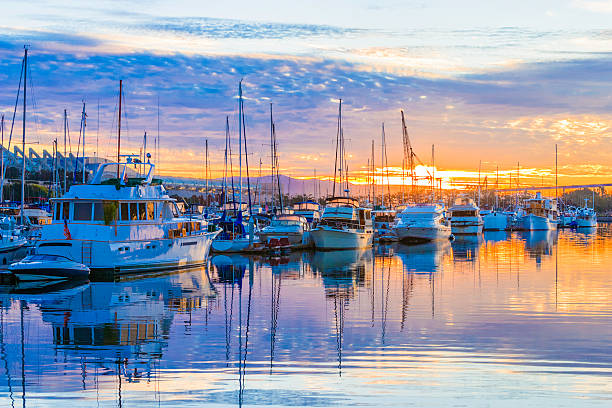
(305,204)
(414,318)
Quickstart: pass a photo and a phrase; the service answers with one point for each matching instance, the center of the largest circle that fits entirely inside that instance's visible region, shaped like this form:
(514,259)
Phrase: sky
(490,84)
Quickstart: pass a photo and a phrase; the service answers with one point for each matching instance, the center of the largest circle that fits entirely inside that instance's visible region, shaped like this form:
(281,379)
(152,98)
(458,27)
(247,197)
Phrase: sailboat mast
(84,119)
(65,151)
(119,128)
(23,166)
(272,157)
(2,161)
(240,142)
(373,177)
(206,170)
(556,174)
(433,174)
(382,164)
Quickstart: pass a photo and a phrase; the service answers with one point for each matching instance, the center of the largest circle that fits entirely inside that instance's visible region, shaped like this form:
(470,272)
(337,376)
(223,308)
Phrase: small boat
(422,222)
(293,227)
(465,217)
(586,217)
(495,220)
(48,267)
(344,225)
(540,214)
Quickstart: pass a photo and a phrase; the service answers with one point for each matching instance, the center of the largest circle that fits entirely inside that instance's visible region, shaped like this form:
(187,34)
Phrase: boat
(567,218)
(343,225)
(48,268)
(124,224)
(383,221)
(422,222)
(539,214)
(308,209)
(12,240)
(234,236)
(495,220)
(465,217)
(586,217)
(291,229)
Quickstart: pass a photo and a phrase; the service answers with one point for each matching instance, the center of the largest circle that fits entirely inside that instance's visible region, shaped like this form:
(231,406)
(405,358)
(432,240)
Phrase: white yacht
(540,214)
(290,227)
(308,209)
(422,222)
(344,225)
(465,217)
(586,217)
(124,224)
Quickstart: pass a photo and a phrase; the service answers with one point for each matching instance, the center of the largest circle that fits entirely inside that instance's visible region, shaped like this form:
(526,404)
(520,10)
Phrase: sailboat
(344,224)
(13,237)
(237,235)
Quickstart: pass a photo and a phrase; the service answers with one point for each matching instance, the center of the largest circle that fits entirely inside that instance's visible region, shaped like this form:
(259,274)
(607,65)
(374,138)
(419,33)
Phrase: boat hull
(532,222)
(466,227)
(422,233)
(230,245)
(586,222)
(327,238)
(495,222)
(133,255)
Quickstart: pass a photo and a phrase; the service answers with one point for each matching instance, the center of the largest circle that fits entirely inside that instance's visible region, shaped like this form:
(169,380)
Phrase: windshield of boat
(42,257)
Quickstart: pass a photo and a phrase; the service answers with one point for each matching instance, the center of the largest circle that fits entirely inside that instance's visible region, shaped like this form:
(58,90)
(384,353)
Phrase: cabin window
(58,211)
(142,211)
(98,212)
(150,211)
(368,215)
(125,212)
(66,210)
(82,212)
(134,211)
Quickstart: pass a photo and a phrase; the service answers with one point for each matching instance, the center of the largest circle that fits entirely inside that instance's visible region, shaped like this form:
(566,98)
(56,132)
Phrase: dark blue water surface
(505,320)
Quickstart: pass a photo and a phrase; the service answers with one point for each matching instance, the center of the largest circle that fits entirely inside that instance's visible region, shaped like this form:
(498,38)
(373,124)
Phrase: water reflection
(389,326)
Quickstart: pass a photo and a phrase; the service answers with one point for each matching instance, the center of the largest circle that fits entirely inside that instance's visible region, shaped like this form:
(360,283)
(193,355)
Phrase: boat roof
(291,217)
(342,201)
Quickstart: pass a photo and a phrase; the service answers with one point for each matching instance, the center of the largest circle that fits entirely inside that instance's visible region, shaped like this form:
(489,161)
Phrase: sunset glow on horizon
(502,103)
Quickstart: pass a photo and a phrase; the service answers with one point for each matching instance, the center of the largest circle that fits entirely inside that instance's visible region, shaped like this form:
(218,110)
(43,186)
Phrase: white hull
(131,256)
(466,227)
(495,222)
(422,233)
(327,238)
(230,245)
(532,222)
(586,223)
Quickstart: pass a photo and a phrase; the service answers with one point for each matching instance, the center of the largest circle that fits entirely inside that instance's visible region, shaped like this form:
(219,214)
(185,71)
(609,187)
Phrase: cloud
(594,6)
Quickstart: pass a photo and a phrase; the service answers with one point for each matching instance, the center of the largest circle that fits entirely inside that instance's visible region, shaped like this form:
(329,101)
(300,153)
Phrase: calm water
(508,319)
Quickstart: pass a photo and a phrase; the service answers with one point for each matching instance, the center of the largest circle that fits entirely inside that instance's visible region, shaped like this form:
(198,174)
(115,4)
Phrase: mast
(84,119)
(337,150)
(240,142)
(433,174)
(65,151)
(272,156)
(382,165)
(373,177)
(2,160)
(556,173)
(119,128)
(206,170)
(23,166)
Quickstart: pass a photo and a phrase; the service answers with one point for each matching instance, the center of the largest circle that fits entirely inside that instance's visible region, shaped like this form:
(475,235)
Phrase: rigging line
(231,166)
(16,103)
(246,159)
(34,105)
